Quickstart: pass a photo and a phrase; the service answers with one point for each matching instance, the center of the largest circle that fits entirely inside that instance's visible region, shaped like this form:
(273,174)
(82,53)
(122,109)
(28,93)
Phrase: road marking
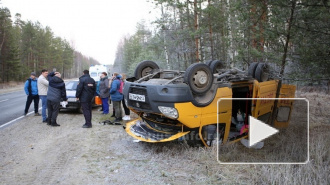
(12,121)
(4,100)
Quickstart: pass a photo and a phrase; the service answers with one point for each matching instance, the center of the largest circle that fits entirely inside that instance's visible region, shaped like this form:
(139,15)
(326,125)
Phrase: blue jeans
(105,105)
(44,106)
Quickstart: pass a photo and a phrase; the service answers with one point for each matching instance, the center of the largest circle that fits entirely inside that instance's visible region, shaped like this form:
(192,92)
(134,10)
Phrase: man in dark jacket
(55,94)
(85,92)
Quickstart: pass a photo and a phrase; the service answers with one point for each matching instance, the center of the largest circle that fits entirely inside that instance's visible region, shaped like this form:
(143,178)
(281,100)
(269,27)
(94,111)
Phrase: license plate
(136,97)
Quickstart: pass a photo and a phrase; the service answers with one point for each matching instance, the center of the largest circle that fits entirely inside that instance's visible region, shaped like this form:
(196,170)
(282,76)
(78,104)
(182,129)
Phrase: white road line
(4,100)
(12,121)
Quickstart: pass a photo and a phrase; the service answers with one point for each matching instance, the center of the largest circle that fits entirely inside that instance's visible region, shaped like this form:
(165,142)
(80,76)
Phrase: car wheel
(80,110)
(262,72)
(144,68)
(216,66)
(252,69)
(199,78)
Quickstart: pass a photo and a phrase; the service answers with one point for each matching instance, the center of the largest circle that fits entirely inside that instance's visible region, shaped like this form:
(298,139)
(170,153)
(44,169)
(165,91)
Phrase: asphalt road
(12,106)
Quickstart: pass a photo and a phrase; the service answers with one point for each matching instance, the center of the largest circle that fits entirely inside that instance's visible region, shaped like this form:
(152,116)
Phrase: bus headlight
(169,112)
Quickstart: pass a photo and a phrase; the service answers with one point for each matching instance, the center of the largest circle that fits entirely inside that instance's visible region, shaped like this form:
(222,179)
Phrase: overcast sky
(94,26)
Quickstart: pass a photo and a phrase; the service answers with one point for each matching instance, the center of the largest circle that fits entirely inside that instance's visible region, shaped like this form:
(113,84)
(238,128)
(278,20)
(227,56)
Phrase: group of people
(50,88)
(112,88)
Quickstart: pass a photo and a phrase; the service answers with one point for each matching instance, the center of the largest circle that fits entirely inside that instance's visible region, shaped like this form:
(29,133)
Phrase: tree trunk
(230,36)
(286,46)
(210,30)
(197,41)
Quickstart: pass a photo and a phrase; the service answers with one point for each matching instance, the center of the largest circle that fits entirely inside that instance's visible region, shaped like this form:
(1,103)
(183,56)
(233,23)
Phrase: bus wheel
(252,69)
(144,68)
(199,78)
(262,72)
(216,66)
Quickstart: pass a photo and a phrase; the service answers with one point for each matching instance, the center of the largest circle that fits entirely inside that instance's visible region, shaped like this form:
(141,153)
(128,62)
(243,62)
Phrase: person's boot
(54,124)
(48,121)
(87,126)
(118,119)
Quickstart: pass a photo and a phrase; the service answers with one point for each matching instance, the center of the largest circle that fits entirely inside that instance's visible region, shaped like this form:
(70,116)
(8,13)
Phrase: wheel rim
(146,71)
(200,79)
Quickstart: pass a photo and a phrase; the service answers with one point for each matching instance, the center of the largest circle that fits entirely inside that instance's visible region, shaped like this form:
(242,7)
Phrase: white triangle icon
(259,131)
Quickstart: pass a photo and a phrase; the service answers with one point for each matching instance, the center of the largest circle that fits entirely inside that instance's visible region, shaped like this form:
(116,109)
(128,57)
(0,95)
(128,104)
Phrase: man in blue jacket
(55,94)
(116,97)
(31,90)
(85,92)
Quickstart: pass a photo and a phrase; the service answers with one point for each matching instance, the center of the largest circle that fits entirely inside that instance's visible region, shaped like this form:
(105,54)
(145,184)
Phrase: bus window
(93,74)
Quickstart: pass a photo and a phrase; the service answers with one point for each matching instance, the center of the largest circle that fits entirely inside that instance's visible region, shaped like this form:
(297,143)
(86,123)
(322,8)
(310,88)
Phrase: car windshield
(71,85)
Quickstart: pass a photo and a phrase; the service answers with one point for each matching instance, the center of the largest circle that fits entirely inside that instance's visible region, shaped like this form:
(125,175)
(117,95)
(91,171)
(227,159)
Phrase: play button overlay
(259,131)
(249,133)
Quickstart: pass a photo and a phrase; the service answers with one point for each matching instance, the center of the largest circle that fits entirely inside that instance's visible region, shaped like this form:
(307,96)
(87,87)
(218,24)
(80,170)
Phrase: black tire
(80,110)
(262,72)
(216,66)
(252,69)
(209,62)
(199,77)
(144,68)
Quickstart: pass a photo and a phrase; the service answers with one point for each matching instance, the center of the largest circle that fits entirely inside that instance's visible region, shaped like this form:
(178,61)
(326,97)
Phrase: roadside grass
(11,87)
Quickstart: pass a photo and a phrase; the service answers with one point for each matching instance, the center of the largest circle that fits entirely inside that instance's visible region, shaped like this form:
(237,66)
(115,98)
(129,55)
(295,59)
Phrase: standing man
(126,109)
(31,90)
(104,92)
(55,94)
(116,97)
(42,90)
(85,93)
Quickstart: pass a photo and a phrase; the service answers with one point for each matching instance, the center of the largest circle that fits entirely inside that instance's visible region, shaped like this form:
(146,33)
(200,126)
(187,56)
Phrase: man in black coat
(55,94)
(85,92)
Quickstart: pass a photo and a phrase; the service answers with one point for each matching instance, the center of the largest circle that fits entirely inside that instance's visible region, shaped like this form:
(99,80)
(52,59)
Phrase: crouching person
(55,94)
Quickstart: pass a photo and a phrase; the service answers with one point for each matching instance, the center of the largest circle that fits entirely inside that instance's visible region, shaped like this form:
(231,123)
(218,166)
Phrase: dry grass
(11,87)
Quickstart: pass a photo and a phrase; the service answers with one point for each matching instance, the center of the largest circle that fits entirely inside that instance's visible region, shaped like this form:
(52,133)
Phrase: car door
(284,105)
(263,99)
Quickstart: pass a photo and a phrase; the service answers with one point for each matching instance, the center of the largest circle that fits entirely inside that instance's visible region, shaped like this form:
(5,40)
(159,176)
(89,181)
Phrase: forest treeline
(27,46)
(289,34)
